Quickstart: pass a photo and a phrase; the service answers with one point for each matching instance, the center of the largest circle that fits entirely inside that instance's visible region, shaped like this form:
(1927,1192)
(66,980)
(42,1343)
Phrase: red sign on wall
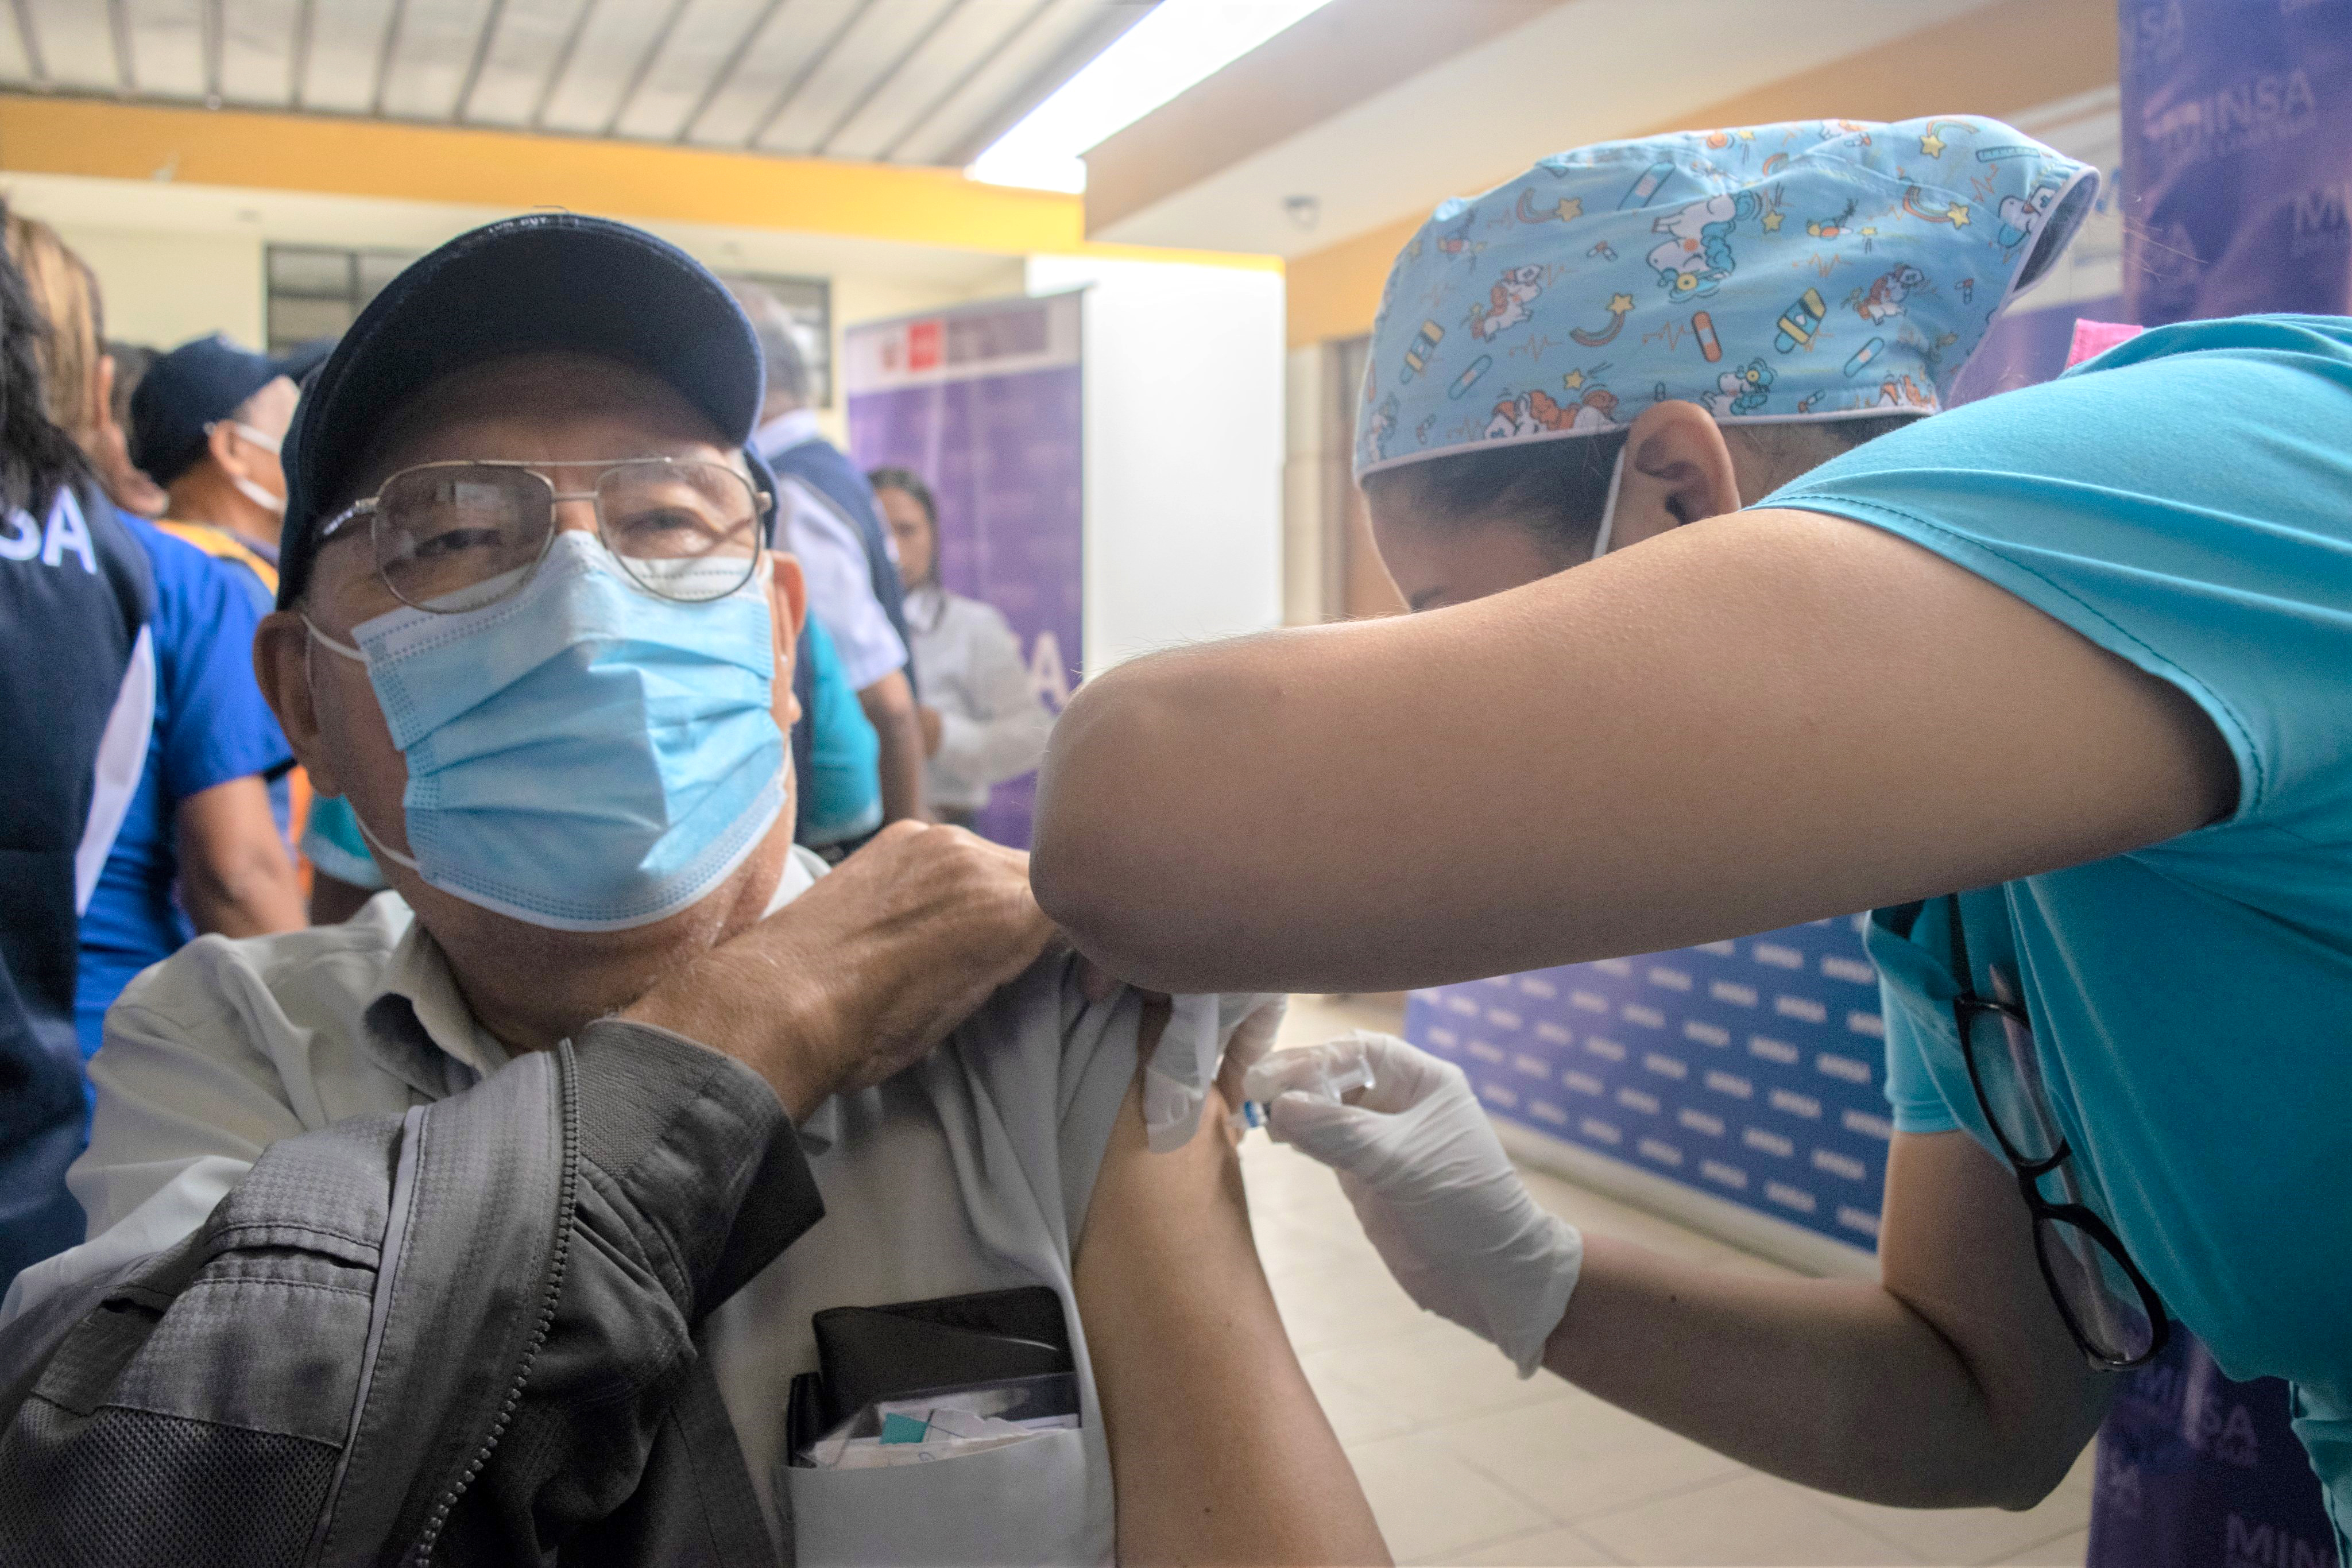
(923,345)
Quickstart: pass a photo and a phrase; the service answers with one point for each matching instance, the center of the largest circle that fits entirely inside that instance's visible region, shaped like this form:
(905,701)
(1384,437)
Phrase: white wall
(1183,410)
(163,290)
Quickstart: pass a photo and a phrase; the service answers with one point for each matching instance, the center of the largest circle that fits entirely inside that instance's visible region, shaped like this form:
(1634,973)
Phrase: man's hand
(869,970)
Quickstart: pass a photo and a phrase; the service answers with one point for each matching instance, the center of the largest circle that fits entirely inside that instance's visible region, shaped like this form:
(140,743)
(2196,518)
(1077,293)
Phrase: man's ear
(788,599)
(281,663)
(222,442)
(788,592)
(1678,469)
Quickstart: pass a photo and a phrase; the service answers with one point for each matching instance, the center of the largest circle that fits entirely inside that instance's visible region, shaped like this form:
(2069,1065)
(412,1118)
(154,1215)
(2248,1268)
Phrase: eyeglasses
(454,536)
(2115,1315)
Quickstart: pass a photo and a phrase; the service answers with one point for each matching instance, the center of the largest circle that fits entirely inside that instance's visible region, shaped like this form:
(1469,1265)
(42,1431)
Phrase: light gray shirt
(993,725)
(832,561)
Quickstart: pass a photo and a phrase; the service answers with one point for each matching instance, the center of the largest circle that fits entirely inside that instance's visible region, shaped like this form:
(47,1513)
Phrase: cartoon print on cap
(1384,420)
(1744,391)
(1507,302)
(1736,232)
(2022,217)
(1883,300)
(1698,259)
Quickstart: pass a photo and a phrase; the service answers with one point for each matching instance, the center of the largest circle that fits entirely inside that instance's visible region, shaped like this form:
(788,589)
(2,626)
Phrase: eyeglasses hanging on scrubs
(2114,1313)
(454,536)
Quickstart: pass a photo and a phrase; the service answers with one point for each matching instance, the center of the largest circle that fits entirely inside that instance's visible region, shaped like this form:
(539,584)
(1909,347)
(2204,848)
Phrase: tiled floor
(1464,1464)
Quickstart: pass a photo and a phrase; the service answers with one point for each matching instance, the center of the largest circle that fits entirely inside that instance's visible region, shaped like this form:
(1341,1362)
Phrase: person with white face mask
(638,1087)
(205,424)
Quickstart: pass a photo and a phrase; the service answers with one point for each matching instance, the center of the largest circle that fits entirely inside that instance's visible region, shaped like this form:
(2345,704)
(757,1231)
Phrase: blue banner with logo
(2237,121)
(1753,1070)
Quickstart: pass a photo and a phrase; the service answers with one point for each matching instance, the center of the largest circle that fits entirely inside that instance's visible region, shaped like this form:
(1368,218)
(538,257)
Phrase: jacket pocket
(1025,1502)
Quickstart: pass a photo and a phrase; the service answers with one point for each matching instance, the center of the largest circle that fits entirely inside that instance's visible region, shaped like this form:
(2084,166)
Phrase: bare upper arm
(1750,721)
(235,874)
(1219,1450)
(1956,1246)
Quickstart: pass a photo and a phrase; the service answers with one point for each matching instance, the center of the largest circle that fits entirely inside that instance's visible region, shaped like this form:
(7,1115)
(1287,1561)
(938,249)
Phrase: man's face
(910,530)
(564,414)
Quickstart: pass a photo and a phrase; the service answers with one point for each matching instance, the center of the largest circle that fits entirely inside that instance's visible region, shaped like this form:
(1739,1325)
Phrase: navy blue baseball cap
(184,394)
(542,282)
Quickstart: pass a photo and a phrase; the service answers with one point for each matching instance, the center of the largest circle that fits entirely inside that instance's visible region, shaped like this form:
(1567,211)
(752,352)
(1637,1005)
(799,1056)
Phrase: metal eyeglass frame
(1967,1006)
(763,506)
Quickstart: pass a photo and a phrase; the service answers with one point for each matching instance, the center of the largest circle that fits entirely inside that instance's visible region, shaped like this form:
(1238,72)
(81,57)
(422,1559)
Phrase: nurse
(2058,682)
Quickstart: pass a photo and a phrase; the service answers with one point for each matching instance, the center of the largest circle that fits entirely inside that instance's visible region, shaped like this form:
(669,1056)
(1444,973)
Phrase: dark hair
(130,362)
(37,458)
(1557,489)
(907,479)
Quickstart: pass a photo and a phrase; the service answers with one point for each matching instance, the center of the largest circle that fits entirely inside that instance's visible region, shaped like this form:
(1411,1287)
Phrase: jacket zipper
(421,1555)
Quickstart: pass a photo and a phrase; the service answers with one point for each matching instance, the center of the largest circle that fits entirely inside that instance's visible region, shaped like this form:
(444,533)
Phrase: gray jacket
(467,1335)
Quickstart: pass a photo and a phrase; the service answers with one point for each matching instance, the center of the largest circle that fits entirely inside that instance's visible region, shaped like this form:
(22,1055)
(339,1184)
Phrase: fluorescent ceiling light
(1181,43)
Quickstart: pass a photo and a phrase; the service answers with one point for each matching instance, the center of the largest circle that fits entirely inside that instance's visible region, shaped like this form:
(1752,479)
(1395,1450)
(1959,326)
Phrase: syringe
(1330,1086)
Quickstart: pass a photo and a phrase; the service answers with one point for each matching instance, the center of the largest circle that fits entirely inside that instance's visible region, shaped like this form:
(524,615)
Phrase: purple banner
(2197,1469)
(2237,174)
(983,404)
(2237,118)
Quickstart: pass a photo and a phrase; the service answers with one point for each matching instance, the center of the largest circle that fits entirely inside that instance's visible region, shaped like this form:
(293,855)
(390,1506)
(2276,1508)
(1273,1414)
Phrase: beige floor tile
(1438,1373)
(1750,1521)
(1575,1456)
(1429,1503)
(1560,1548)
(2067,1552)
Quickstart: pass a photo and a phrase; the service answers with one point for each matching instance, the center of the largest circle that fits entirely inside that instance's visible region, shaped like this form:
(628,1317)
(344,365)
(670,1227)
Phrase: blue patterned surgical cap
(1824,269)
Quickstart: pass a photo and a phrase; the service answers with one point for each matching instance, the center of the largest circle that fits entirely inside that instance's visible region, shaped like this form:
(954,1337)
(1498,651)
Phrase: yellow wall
(1998,60)
(507,171)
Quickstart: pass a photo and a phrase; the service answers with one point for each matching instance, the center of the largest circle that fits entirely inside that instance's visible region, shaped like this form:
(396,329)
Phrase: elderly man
(460,1228)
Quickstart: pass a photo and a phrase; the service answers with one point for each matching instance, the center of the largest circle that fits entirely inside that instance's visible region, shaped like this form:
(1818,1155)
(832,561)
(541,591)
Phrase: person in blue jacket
(75,596)
(198,848)
(1722,636)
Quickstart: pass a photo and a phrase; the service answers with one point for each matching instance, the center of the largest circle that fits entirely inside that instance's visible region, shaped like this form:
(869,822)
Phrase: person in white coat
(983,719)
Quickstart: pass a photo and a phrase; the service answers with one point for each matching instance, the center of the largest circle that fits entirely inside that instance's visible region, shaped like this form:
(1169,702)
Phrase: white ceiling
(904,81)
(1584,72)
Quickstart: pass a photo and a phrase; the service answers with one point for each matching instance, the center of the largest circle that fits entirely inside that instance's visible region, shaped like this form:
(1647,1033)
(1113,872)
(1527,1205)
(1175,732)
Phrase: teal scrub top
(2185,502)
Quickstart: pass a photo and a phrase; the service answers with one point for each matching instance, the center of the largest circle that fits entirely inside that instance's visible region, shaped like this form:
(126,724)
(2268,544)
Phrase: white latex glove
(1202,1030)
(1432,1187)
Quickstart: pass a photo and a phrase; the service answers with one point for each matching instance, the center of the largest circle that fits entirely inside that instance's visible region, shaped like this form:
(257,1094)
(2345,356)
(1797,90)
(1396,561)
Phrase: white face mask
(260,438)
(273,504)
(1609,508)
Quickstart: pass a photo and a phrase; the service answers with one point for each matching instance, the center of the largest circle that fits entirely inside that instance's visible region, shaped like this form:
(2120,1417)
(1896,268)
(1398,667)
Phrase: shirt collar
(420,1030)
(418,1025)
(785,432)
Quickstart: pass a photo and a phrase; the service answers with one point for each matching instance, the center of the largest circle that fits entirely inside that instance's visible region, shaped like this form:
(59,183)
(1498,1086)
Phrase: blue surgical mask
(583,756)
